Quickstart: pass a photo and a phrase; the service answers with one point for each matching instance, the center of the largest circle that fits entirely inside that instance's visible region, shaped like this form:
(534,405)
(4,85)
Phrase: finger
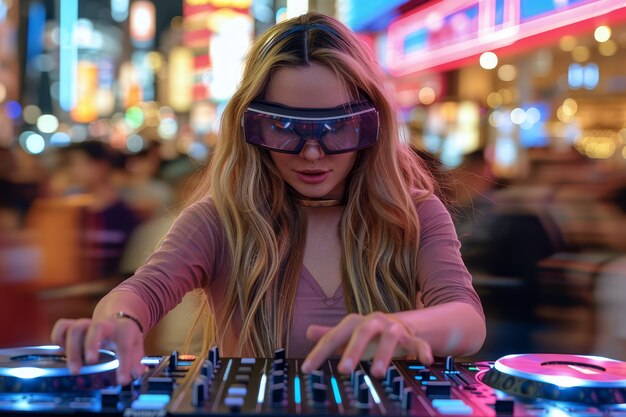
(74,341)
(58,334)
(417,345)
(138,368)
(315,332)
(386,348)
(334,339)
(96,333)
(363,334)
(126,340)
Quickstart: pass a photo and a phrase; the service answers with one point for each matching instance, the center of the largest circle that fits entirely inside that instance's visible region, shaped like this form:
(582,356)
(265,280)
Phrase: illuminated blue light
(591,76)
(60,139)
(375,396)
(227,371)
(36,29)
(119,10)
(506,151)
(26,372)
(575,76)
(151,361)
(150,402)
(31,372)
(296,389)
(452,406)
(13,109)
(417,367)
(336,393)
(3,10)
(68,55)
(261,397)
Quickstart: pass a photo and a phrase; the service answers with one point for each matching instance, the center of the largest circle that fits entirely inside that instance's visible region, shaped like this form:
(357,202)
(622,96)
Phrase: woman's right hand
(82,338)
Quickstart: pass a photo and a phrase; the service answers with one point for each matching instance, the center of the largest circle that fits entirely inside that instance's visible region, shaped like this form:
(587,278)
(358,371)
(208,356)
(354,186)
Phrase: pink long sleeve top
(194,254)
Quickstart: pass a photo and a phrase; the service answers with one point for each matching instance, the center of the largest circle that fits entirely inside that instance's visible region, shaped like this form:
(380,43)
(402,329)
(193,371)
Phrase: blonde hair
(266,230)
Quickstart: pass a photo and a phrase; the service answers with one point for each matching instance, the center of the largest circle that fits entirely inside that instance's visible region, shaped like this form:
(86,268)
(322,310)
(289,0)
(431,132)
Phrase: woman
(314,228)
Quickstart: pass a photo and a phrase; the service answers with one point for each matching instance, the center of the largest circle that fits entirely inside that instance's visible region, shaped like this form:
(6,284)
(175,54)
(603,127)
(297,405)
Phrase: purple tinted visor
(346,128)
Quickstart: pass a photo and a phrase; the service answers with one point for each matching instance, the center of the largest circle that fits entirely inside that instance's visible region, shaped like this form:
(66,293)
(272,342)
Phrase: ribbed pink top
(194,254)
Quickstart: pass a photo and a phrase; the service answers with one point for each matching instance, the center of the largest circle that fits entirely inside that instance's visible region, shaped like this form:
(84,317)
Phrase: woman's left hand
(377,336)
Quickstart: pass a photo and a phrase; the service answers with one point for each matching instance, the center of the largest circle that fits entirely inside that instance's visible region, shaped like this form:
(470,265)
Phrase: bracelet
(122,315)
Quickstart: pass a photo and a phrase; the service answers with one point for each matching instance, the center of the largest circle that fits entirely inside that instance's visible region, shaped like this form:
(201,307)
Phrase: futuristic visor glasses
(345,128)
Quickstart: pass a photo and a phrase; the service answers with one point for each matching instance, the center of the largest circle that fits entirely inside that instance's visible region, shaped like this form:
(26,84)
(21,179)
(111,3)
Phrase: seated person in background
(314,228)
(148,195)
(107,222)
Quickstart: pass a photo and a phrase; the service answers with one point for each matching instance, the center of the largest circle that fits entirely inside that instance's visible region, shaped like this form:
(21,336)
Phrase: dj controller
(35,380)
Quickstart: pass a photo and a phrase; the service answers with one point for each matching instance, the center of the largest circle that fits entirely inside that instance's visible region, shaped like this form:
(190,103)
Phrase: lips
(312,176)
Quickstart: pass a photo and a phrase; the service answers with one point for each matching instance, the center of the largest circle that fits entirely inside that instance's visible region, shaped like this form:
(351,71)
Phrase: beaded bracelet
(122,315)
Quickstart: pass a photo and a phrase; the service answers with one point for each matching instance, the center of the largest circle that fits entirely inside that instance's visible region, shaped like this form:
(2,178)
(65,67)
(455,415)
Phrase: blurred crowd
(547,250)
(85,213)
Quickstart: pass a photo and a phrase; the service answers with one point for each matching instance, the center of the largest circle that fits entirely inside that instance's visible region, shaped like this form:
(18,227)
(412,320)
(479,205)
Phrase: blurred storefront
(506,76)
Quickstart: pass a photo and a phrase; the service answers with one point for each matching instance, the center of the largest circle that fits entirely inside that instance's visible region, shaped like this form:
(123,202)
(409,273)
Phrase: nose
(312,150)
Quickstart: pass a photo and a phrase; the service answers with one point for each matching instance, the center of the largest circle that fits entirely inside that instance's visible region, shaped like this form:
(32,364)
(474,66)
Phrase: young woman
(315,228)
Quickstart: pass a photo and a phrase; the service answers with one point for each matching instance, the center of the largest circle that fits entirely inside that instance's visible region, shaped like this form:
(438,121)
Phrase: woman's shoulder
(429,206)
(203,207)
(201,214)
(425,199)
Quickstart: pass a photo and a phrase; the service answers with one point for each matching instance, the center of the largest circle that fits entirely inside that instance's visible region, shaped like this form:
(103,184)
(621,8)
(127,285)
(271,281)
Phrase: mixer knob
(206,369)
(363,396)
(358,378)
(509,382)
(391,373)
(504,406)
(173,360)
(214,356)
(158,384)
(407,398)
(110,397)
(319,393)
(277,393)
(277,377)
(200,391)
(317,376)
(425,374)
(280,354)
(438,389)
(279,365)
(449,366)
(397,387)
(549,391)
(528,388)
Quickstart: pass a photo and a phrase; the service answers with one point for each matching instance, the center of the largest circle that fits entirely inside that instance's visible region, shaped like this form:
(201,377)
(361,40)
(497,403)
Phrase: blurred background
(108,108)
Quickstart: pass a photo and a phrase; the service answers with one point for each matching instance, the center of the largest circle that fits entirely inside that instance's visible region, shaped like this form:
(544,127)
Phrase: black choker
(307,202)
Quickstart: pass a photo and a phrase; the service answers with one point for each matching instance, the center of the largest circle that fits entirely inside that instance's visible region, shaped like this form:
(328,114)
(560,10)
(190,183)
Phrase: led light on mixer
(375,396)
(452,406)
(150,402)
(336,393)
(227,371)
(296,389)
(261,397)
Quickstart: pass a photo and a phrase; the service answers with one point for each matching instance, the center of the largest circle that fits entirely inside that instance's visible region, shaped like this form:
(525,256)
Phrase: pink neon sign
(452,30)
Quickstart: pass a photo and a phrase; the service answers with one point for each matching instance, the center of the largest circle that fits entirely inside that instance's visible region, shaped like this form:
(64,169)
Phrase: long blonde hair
(266,230)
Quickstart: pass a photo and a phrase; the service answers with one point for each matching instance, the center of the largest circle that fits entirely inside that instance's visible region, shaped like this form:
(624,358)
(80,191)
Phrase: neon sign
(450,31)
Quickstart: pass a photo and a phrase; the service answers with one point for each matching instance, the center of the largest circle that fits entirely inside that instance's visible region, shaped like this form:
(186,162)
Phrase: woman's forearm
(453,328)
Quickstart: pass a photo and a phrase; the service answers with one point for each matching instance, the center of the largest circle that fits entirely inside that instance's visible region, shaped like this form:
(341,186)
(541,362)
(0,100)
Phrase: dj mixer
(35,380)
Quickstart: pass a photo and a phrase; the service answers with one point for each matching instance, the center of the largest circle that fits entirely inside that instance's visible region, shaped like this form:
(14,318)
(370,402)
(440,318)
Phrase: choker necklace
(308,202)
